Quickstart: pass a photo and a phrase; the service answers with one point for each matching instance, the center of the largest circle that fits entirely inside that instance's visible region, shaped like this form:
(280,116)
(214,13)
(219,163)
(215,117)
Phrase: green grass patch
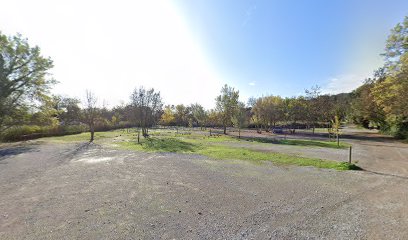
(165,141)
(301,142)
(155,144)
(169,145)
(220,152)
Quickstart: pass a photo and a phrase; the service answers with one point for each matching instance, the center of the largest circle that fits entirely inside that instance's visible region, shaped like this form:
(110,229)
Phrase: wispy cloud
(251,84)
(248,14)
(343,83)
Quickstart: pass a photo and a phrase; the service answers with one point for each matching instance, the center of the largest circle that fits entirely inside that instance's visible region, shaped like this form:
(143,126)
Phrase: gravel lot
(87,191)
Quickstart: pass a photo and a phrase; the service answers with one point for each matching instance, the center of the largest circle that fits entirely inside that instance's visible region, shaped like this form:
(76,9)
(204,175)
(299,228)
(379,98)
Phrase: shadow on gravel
(385,174)
(13,151)
(79,148)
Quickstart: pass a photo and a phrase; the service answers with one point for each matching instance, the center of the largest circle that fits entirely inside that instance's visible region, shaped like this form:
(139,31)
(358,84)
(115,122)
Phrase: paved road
(63,191)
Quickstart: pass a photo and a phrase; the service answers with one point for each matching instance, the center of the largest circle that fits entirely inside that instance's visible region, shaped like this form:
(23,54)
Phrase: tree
(214,118)
(47,113)
(168,118)
(199,114)
(396,45)
(181,114)
(336,128)
(240,119)
(227,104)
(23,78)
(295,111)
(147,106)
(392,93)
(314,105)
(91,112)
(269,110)
(69,110)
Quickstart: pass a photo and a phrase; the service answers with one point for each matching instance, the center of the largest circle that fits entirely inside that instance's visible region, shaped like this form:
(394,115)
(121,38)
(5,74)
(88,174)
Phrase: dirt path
(51,191)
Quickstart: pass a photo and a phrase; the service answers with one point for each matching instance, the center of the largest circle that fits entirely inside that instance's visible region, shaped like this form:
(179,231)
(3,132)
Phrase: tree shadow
(6,153)
(169,145)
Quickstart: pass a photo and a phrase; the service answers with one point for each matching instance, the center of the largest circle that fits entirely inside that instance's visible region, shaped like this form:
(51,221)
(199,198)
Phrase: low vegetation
(301,142)
(203,144)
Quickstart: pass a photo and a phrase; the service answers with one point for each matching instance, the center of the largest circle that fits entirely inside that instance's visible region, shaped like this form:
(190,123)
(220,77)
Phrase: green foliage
(26,132)
(23,78)
(382,101)
(241,118)
(396,45)
(227,104)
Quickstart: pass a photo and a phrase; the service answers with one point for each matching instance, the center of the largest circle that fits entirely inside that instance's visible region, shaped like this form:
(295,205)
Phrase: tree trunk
(225,129)
(92,129)
(138,136)
(338,139)
(239,132)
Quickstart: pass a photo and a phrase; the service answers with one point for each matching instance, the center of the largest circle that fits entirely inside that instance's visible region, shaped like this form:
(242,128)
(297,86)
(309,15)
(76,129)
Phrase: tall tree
(24,78)
(199,114)
(227,104)
(147,104)
(396,45)
(91,112)
(241,117)
(314,105)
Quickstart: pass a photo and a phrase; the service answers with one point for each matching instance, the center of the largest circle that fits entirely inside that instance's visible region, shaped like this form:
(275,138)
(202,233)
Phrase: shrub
(27,132)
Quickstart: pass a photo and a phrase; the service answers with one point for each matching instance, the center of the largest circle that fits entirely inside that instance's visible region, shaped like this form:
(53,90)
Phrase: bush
(27,132)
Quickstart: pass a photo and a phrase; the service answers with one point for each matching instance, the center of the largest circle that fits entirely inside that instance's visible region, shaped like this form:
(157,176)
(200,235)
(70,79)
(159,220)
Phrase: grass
(85,136)
(229,153)
(301,142)
(167,141)
(220,152)
(155,144)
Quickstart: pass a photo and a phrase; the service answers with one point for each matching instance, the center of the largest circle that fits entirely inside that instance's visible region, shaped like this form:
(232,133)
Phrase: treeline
(382,101)
(27,110)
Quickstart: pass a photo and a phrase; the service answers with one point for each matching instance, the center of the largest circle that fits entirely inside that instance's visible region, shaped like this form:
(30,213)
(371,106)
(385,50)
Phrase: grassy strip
(220,152)
(232,153)
(300,142)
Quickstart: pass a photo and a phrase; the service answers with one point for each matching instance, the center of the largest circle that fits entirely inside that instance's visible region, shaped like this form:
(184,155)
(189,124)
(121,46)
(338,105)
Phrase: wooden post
(338,139)
(350,155)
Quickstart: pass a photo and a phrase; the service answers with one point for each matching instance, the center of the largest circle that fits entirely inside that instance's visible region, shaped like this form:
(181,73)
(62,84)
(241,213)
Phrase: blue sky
(188,49)
(283,47)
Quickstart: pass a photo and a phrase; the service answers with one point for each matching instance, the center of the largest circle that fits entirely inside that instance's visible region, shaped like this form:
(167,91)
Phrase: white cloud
(112,47)
(343,83)
(251,84)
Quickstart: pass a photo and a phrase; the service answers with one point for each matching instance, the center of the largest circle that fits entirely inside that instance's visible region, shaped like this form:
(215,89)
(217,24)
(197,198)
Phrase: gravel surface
(86,191)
